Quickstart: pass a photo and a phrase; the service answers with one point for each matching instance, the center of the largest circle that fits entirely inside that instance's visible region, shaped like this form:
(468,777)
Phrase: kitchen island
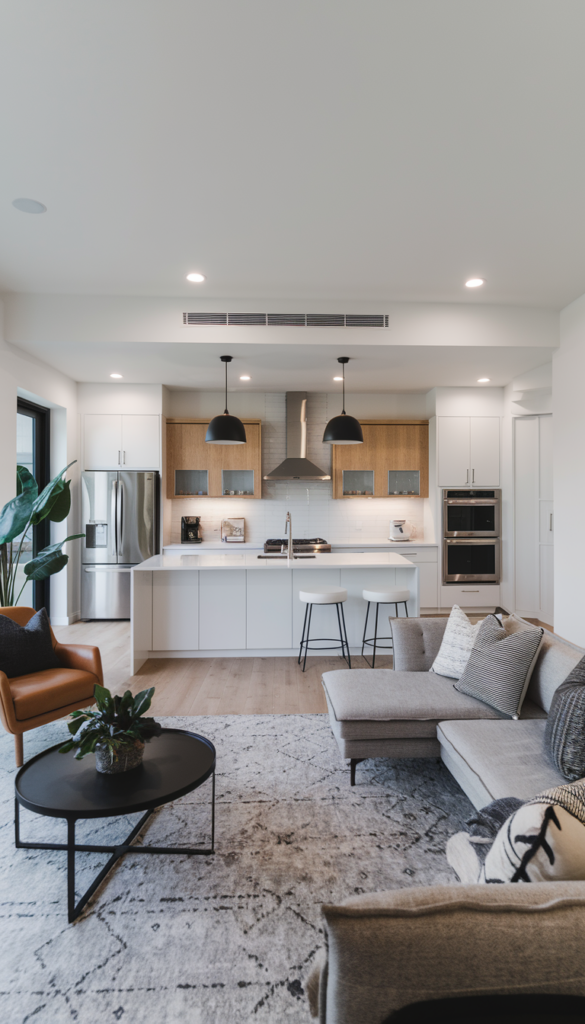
(239,605)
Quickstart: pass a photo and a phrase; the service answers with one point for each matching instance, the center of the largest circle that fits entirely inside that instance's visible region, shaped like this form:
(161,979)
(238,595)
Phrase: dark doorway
(33,451)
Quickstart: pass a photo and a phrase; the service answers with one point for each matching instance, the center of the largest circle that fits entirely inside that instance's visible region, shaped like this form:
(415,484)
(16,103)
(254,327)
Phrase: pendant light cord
(225,411)
(343,410)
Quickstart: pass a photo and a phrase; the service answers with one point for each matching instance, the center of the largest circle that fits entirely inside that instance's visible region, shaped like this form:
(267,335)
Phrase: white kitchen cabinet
(469,451)
(474,595)
(175,611)
(102,436)
(112,441)
(141,442)
(269,609)
(222,610)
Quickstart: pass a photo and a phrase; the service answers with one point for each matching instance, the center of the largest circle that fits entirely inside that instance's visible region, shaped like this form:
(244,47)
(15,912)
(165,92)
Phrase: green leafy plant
(27,509)
(117,723)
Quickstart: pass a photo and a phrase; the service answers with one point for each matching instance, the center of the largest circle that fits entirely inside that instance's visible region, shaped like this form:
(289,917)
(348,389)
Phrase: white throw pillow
(543,841)
(458,640)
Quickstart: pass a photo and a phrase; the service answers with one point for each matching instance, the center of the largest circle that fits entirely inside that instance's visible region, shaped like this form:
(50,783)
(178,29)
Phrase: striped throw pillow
(500,666)
(565,727)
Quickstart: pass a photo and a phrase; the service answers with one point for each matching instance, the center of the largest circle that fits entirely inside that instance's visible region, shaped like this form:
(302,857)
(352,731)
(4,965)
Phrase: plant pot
(126,757)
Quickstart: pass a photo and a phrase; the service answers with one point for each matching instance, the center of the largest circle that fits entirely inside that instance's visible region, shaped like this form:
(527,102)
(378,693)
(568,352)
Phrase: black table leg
(74,910)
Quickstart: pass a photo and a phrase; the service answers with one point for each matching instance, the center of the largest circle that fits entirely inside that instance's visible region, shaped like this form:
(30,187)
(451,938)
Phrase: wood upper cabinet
(393,460)
(197,468)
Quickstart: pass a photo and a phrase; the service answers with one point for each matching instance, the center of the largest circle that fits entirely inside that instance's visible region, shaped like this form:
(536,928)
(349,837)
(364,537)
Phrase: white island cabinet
(189,605)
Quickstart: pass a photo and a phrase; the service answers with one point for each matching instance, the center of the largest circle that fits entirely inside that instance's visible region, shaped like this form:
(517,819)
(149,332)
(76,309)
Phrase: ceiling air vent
(286,319)
(247,319)
(202,319)
(325,320)
(376,320)
(366,320)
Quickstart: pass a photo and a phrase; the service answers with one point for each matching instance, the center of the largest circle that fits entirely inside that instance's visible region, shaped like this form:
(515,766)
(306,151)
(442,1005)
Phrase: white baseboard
(65,620)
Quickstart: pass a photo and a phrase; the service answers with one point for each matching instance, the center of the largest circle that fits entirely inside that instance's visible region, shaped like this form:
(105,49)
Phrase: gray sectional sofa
(386,950)
(409,711)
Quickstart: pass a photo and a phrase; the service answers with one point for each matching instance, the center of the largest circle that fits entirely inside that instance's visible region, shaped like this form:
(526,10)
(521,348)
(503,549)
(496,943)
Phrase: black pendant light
(343,429)
(226,429)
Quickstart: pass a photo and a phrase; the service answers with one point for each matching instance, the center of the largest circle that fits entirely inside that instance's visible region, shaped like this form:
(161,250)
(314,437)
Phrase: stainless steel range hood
(296,466)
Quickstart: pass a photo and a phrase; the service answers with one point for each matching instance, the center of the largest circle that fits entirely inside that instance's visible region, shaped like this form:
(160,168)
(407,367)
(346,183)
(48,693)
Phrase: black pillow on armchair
(26,649)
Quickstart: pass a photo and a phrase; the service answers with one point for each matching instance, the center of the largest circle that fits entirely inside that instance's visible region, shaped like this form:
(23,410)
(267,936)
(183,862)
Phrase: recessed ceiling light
(338,378)
(29,206)
(116,376)
(245,377)
(474,282)
(483,380)
(197,278)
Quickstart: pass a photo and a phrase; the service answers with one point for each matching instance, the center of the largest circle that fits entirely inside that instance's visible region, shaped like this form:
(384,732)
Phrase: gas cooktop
(316,544)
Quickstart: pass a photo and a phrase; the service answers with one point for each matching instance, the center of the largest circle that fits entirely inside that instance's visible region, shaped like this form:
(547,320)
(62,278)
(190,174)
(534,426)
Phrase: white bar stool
(324,595)
(391,596)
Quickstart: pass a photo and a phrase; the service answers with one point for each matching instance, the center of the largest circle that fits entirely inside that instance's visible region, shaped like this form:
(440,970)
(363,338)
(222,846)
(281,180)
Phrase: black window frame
(42,474)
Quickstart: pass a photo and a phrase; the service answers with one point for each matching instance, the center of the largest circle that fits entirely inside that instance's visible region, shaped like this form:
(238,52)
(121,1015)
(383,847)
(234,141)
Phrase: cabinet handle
(119,453)
(467,477)
(473,476)
(470,591)
(550,521)
(123,458)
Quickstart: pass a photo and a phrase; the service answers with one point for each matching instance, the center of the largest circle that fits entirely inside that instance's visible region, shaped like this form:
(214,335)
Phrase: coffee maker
(190,530)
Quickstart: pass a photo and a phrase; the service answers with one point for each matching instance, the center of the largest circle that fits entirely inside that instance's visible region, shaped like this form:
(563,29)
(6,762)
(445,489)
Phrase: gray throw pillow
(564,737)
(26,649)
(500,666)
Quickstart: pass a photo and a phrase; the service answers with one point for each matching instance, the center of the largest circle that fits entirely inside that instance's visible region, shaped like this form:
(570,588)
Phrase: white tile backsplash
(314,512)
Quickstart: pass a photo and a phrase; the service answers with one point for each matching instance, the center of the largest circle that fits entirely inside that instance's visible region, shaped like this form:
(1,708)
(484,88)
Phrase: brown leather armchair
(29,701)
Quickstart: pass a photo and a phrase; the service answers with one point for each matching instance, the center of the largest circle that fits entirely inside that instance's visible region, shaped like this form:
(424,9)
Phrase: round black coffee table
(175,763)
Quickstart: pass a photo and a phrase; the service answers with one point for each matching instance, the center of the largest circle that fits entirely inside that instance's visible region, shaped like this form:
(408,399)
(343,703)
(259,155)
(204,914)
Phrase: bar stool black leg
(307,636)
(375,636)
(303,635)
(365,628)
(345,635)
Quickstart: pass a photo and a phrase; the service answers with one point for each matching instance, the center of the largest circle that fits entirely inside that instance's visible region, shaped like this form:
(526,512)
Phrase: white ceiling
(293,368)
(382,150)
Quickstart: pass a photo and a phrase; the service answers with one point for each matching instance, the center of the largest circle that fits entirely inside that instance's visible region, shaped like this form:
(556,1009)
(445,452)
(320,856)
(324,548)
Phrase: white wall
(569,473)
(21,374)
(119,397)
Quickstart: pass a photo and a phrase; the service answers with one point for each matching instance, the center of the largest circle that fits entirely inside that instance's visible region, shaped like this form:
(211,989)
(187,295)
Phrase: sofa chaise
(409,711)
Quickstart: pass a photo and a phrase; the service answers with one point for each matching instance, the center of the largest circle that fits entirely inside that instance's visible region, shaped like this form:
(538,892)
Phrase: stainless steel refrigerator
(120,521)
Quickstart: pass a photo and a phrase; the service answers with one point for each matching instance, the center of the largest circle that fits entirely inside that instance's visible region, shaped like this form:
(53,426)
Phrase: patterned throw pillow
(500,666)
(458,640)
(564,737)
(26,649)
(543,841)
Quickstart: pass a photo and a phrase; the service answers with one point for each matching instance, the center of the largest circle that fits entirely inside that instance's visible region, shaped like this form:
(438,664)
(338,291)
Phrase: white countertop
(214,545)
(250,560)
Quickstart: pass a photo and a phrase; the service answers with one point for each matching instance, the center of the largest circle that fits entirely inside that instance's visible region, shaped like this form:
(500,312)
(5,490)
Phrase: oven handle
(472,501)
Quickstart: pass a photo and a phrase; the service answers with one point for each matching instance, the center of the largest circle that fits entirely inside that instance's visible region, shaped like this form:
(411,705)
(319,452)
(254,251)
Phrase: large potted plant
(116,732)
(28,509)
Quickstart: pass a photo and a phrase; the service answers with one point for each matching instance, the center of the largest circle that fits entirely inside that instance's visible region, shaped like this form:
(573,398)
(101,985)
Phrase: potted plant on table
(28,509)
(116,732)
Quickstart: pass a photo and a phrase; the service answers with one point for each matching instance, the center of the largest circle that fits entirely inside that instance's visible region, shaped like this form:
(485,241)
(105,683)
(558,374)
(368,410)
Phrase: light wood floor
(210,686)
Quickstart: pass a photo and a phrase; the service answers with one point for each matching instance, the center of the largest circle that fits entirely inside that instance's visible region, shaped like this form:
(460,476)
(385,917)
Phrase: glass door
(32,452)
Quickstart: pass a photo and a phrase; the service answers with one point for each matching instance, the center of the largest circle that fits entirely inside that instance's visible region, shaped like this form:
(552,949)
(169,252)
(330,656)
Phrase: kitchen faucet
(288,531)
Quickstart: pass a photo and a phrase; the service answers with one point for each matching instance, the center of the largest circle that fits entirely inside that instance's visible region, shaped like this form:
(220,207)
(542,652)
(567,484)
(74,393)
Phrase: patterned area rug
(229,938)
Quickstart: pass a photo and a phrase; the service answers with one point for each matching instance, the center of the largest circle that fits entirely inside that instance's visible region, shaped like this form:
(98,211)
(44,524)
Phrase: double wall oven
(471,536)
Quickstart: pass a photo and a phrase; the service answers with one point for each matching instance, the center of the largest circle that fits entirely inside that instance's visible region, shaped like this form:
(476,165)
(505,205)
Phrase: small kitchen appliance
(399,530)
(190,526)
